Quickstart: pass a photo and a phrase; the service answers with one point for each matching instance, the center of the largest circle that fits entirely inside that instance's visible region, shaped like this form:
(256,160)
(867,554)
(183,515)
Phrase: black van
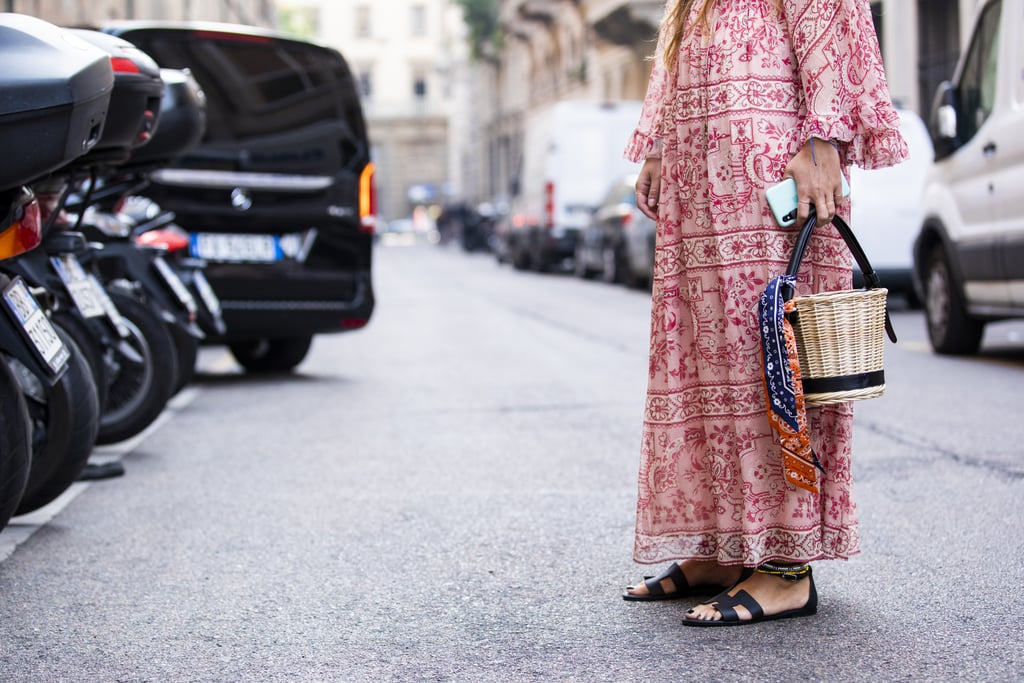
(278,197)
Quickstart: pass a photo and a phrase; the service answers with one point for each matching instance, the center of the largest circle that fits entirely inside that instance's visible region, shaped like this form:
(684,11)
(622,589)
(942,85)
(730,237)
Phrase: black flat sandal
(726,604)
(683,587)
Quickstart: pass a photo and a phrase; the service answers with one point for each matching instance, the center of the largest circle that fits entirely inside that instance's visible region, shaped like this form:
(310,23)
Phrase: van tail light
(627,220)
(22,227)
(171,239)
(549,204)
(367,199)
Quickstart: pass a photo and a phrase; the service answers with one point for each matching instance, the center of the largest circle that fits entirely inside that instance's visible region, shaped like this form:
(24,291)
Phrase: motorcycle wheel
(271,355)
(187,349)
(140,391)
(65,431)
(15,444)
(92,348)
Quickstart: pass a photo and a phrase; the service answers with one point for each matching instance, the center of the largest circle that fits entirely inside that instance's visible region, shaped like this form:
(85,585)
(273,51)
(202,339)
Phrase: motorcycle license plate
(34,325)
(177,287)
(235,248)
(109,308)
(206,293)
(78,284)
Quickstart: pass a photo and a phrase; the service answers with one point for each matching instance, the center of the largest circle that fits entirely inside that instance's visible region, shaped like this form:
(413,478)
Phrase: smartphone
(783,200)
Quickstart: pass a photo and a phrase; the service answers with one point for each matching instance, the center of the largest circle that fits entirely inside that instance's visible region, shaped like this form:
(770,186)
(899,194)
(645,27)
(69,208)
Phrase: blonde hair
(675,21)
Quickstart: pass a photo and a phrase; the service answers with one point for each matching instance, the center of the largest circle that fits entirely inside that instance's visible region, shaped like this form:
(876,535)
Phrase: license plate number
(35,326)
(78,284)
(236,248)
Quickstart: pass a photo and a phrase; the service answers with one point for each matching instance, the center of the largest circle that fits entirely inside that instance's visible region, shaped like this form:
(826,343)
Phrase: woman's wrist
(655,152)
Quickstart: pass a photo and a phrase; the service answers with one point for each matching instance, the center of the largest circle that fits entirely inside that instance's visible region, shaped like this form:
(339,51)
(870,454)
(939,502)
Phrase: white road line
(21,528)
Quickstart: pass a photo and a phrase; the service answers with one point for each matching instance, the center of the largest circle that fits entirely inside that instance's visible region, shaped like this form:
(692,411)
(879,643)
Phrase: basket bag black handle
(871,280)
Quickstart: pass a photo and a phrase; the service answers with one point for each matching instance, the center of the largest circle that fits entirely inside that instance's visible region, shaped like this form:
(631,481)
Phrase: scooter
(58,94)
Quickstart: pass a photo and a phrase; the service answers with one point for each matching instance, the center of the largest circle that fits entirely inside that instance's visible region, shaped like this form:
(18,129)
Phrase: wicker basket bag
(840,336)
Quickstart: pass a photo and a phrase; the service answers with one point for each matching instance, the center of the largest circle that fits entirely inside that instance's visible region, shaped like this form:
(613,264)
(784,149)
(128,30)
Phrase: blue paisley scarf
(783,388)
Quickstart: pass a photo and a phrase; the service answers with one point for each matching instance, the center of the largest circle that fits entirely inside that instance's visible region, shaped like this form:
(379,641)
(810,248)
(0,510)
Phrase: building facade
(91,12)
(410,59)
(600,49)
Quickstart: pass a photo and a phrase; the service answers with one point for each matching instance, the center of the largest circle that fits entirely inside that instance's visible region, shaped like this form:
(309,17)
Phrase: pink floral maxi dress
(749,90)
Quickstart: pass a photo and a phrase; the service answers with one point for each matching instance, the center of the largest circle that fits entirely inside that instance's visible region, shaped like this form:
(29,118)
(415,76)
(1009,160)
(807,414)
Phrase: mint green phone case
(782,199)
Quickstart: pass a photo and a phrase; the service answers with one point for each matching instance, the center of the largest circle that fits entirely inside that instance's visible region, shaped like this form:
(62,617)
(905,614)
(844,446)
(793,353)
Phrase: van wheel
(951,330)
(271,355)
(611,265)
(520,259)
(580,267)
(539,261)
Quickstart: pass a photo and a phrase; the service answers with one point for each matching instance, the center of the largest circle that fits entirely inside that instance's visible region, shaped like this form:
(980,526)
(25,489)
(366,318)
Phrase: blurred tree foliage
(482,18)
(303,21)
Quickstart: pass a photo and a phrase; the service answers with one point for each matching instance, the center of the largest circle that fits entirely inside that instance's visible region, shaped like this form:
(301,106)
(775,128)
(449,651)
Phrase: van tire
(520,259)
(580,267)
(951,330)
(612,266)
(271,355)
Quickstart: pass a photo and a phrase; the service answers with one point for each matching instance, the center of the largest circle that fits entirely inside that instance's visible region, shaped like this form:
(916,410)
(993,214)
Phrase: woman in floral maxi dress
(742,94)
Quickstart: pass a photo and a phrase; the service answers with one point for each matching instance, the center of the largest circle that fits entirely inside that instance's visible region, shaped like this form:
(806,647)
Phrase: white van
(572,153)
(886,209)
(969,254)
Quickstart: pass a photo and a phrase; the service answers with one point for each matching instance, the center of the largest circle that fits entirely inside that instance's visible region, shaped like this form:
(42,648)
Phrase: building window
(365,82)
(419,84)
(363,28)
(419,20)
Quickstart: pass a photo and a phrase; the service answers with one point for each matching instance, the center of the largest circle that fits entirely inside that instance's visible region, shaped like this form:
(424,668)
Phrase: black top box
(182,121)
(134,111)
(54,94)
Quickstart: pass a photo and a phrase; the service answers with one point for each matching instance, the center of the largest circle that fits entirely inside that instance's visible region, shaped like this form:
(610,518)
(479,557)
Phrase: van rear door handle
(989,149)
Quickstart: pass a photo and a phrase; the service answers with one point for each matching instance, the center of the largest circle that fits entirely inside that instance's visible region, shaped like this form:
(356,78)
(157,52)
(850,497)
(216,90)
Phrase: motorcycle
(59,94)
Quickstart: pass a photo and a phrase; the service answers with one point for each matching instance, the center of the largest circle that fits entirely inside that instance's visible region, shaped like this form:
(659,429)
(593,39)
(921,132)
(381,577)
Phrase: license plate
(206,293)
(35,326)
(78,284)
(236,248)
(109,308)
(175,284)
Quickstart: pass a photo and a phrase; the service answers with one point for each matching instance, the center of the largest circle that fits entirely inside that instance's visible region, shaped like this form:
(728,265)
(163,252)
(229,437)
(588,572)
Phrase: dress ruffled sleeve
(840,68)
(646,138)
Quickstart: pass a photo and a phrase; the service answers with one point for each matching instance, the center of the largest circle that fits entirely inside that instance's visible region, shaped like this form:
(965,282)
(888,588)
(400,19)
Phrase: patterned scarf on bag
(783,389)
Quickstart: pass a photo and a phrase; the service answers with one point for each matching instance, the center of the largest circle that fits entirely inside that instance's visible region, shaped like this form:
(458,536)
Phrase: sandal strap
(675,573)
(726,604)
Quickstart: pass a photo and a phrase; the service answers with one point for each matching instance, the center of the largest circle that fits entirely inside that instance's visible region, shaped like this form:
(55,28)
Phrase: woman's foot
(763,596)
(684,579)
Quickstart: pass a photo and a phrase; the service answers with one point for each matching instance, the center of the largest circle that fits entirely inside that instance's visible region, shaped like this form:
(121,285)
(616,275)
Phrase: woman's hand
(648,188)
(818,175)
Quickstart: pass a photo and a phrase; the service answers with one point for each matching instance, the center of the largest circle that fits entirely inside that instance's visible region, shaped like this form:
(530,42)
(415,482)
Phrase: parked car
(618,244)
(571,153)
(887,209)
(969,254)
(277,198)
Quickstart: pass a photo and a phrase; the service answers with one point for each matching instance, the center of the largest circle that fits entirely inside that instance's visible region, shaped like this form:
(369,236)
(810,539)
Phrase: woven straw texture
(840,334)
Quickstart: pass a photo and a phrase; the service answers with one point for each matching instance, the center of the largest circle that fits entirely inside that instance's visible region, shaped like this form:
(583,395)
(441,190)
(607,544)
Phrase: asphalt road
(447,495)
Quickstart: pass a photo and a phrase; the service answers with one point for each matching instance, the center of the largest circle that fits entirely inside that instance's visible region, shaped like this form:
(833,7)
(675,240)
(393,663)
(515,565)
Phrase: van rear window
(259,87)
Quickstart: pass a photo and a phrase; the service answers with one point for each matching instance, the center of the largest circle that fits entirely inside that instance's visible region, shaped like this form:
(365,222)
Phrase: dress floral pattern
(750,88)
